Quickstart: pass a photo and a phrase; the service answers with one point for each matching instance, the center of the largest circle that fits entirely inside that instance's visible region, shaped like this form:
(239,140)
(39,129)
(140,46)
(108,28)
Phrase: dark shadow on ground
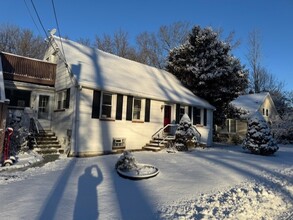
(50,207)
(133,201)
(86,203)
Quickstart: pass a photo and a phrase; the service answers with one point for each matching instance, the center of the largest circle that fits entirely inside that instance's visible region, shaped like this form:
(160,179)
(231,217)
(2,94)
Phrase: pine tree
(205,66)
(185,135)
(259,139)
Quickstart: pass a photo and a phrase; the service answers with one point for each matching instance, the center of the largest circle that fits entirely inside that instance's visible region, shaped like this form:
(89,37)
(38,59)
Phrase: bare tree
(153,48)
(21,42)
(117,44)
(230,38)
(254,57)
(84,41)
(149,51)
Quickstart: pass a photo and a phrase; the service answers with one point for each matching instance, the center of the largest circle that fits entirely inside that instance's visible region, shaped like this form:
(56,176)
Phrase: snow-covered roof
(100,70)
(251,102)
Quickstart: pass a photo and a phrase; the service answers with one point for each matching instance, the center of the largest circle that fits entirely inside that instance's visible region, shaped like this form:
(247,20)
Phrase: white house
(102,98)
(249,104)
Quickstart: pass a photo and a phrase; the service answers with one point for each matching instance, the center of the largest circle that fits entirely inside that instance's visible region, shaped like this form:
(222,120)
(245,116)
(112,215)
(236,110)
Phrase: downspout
(75,114)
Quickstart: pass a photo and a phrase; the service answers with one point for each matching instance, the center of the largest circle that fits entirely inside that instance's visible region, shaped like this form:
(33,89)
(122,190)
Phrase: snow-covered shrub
(185,136)
(20,122)
(259,139)
(126,162)
(282,129)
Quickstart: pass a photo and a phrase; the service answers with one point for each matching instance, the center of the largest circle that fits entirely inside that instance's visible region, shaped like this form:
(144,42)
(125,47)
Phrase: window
(196,116)
(267,112)
(19,98)
(106,105)
(63,98)
(136,109)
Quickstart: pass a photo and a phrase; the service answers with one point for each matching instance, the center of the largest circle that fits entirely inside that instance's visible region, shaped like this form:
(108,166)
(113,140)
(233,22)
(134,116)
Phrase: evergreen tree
(259,139)
(185,134)
(205,66)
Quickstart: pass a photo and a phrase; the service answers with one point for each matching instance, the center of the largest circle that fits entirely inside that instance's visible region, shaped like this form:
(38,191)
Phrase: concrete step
(150,148)
(155,145)
(158,141)
(47,146)
(49,151)
(47,142)
(47,134)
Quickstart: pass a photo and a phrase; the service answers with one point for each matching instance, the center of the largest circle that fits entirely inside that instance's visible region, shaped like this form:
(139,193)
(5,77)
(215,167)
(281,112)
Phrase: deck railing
(18,68)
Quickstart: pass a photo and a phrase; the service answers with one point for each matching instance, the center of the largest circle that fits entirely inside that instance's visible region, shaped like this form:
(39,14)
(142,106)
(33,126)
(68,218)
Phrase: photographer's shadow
(86,204)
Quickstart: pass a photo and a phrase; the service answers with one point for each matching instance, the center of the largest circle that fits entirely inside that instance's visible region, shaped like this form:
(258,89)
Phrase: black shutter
(96,104)
(119,107)
(205,117)
(67,101)
(147,110)
(177,113)
(190,112)
(194,116)
(129,108)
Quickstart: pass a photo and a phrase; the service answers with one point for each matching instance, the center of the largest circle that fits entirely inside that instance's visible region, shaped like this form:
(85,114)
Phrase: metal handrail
(36,125)
(167,137)
(163,128)
(34,128)
(173,137)
(197,132)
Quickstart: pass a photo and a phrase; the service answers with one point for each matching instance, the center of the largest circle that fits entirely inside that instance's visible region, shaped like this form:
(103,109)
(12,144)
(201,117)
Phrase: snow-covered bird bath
(128,167)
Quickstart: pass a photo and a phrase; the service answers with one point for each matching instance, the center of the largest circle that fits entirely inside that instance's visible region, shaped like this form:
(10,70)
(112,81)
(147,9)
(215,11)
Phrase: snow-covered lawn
(212,183)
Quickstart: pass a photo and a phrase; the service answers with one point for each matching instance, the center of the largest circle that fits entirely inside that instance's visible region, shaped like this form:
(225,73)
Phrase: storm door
(44,117)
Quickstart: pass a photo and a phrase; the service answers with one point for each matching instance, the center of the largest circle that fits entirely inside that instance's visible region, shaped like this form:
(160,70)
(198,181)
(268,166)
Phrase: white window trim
(63,94)
(142,109)
(113,106)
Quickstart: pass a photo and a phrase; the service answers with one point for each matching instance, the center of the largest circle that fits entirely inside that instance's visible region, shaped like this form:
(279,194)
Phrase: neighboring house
(103,100)
(249,104)
(29,84)
(3,110)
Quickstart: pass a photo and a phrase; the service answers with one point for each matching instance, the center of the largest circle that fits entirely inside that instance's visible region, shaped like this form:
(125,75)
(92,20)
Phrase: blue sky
(87,18)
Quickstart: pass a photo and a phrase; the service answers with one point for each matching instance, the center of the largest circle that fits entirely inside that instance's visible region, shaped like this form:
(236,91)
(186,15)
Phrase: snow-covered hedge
(259,139)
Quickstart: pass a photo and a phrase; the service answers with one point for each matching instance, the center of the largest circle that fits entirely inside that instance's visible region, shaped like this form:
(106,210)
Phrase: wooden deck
(23,69)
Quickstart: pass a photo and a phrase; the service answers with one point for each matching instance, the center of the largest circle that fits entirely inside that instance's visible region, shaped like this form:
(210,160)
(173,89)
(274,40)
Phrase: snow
(221,182)
(258,137)
(250,102)
(96,69)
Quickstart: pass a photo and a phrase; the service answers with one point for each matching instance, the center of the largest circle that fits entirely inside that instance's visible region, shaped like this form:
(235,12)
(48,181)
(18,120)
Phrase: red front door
(167,115)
